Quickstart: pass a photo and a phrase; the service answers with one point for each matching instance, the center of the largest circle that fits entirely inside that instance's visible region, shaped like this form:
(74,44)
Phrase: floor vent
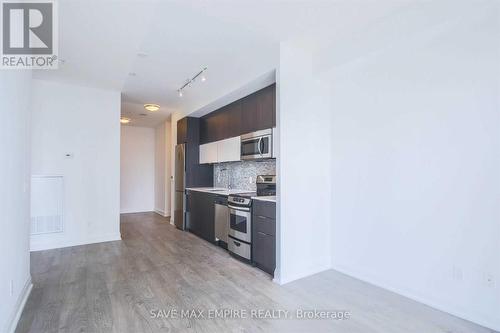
(46,204)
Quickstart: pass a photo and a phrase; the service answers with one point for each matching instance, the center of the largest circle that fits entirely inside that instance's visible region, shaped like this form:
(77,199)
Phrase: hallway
(129,286)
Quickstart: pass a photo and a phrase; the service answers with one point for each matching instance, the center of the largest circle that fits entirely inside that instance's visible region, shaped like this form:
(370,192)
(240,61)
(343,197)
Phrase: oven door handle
(238,208)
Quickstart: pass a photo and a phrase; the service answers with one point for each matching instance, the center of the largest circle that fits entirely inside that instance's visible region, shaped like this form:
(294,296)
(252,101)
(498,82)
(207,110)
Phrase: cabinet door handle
(237,244)
(260,232)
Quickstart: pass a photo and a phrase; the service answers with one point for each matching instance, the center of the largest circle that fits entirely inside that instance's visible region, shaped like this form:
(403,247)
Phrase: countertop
(226,192)
(270,198)
(217,190)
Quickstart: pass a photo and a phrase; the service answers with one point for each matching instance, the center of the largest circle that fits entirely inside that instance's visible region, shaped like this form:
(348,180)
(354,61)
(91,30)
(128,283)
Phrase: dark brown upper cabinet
(251,113)
(208,128)
(188,132)
(214,127)
(267,107)
(182,130)
(259,110)
(233,113)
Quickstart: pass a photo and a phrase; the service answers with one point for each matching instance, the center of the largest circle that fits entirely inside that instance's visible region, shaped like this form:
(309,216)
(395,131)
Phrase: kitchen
(295,156)
(225,178)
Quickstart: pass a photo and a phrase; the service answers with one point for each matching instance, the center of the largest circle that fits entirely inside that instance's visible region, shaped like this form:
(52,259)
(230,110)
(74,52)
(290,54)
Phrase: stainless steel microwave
(257,145)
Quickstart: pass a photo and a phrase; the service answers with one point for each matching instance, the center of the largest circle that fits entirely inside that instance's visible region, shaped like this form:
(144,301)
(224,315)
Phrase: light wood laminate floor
(120,287)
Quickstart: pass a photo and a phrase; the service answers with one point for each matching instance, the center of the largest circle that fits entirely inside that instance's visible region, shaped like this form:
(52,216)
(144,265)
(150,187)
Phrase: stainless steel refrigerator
(180,189)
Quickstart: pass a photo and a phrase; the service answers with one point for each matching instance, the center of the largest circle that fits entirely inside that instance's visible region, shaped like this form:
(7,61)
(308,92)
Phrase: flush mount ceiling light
(189,82)
(124,120)
(152,107)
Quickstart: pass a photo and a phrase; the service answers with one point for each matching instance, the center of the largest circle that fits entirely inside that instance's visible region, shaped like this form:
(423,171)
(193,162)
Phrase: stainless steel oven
(240,224)
(257,145)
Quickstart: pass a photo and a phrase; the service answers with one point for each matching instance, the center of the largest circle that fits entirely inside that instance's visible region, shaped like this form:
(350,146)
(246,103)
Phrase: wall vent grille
(46,204)
(46,224)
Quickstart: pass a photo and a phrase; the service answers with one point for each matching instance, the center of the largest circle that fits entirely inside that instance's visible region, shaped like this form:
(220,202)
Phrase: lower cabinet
(264,235)
(201,213)
(264,251)
(201,222)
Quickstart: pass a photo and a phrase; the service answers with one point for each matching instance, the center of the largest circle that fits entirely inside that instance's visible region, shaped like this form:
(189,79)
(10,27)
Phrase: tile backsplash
(241,175)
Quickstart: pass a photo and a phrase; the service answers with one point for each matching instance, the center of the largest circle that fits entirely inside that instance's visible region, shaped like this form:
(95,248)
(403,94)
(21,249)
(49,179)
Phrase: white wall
(137,176)
(411,156)
(15,93)
(303,168)
(160,173)
(416,163)
(162,168)
(83,122)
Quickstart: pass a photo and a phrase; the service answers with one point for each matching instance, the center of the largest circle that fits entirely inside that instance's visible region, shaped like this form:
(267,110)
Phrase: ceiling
(147,49)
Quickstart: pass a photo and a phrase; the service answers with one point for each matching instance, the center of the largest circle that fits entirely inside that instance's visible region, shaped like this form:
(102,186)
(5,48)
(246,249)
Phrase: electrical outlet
(11,287)
(250,180)
(457,273)
(489,280)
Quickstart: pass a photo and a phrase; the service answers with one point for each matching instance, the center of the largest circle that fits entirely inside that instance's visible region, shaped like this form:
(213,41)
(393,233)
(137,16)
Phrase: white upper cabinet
(208,153)
(227,150)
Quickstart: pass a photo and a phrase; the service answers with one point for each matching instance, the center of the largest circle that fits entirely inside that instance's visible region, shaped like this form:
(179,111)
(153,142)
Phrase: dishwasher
(221,220)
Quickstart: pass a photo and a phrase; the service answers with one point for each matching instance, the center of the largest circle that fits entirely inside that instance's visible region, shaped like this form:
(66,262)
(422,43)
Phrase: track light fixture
(189,82)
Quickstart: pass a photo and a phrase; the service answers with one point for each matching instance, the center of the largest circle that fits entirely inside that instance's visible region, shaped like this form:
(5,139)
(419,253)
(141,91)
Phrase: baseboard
(436,304)
(21,302)
(161,212)
(133,211)
(313,270)
(40,246)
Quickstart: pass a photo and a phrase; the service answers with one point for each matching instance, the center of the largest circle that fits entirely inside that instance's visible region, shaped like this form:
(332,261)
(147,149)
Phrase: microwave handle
(260,145)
